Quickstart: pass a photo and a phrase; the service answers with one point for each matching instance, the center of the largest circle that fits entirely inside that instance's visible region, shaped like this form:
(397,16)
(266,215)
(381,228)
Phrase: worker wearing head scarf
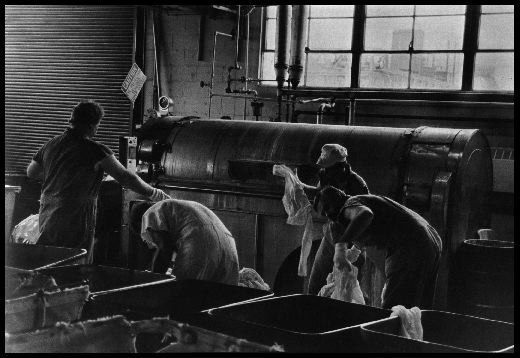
(71,166)
(412,245)
(189,238)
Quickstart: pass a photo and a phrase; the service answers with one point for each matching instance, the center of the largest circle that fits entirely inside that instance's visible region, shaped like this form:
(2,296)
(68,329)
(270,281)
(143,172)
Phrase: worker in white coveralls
(187,237)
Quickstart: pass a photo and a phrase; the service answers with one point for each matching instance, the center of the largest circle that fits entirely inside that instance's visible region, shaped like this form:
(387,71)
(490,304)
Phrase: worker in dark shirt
(71,166)
(412,245)
(335,171)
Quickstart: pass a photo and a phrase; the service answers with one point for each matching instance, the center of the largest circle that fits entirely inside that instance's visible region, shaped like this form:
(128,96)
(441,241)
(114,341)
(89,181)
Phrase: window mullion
(410,49)
(470,45)
(358,35)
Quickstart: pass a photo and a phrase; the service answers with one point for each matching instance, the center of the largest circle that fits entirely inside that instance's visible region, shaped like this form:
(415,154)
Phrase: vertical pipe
(299,28)
(281,45)
(281,50)
(247,63)
(157,83)
(351,111)
(237,38)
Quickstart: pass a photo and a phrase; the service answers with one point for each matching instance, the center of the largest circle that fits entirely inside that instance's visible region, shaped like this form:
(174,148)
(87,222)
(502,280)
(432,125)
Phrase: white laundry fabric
(411,326)
(27,231)
(342,284)
(248,277)
(299,211)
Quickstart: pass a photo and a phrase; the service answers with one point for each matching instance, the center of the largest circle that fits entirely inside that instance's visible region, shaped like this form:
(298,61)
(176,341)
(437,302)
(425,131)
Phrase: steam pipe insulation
(300,20)
(237,39)
(281,51)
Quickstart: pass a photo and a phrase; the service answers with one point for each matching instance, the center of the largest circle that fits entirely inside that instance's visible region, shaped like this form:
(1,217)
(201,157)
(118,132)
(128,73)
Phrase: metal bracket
(439,202)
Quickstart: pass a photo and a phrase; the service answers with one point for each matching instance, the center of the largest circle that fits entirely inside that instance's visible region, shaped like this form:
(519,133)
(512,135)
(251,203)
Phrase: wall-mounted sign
(133,82)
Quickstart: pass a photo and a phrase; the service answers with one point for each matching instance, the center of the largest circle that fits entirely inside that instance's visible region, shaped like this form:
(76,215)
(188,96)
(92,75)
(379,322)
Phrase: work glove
(158,195)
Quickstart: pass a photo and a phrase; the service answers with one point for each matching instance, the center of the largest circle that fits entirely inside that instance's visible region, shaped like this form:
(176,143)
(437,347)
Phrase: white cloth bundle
(411,326)
(342,284)
(247,277)
(299,209)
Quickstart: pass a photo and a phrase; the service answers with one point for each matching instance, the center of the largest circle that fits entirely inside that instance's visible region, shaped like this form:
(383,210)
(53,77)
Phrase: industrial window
(494,60)
(413,46)
(437,47)
(328,58)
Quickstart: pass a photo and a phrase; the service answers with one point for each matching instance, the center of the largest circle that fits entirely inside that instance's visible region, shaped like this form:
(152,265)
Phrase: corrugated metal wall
(55,56)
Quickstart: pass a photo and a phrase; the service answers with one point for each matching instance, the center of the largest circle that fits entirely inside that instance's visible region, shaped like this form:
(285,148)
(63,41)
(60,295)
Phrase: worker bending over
(191,236)
(412,245)
(336,171)
(71,166)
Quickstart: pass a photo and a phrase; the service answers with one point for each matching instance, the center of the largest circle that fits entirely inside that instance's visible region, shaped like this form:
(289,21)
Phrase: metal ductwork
(300,20)
(281,50)
(444,174)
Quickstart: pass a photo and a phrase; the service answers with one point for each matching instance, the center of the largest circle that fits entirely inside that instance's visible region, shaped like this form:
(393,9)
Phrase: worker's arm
(129,179)
(35,171)
(359,219)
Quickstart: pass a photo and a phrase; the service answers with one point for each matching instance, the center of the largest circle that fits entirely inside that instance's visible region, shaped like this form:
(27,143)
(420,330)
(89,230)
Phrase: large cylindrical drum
(483,279)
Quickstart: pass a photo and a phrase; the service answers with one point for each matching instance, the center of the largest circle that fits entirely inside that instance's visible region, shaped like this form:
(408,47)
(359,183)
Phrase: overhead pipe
(300,21)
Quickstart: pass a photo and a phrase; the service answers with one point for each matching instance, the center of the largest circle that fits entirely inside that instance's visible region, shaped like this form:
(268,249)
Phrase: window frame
(469,50)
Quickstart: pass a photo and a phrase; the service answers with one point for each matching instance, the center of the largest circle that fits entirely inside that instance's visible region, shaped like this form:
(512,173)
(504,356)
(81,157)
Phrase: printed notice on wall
(133,82)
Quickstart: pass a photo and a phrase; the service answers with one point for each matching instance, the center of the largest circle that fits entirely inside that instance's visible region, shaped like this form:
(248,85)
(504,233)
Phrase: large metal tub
(104,279)
(180,300)
(39,257)
(301,323)
(443,332)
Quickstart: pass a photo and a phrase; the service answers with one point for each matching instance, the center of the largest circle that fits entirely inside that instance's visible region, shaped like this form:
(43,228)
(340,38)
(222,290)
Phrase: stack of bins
(300,323)
(443,332)
(24,311)
(180,300)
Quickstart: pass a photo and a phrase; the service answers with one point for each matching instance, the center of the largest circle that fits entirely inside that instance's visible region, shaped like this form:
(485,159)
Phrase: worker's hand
(353,253)
(158,195)
(340,257)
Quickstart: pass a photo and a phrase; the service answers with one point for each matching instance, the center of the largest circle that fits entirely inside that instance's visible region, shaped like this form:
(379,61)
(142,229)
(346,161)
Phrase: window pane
(270,34)
(271,12)
(496,32)
(439,33)
(330,34)
(494,72)
(268,67)
(384,70)
(497,8)
(329,69)
(332,11)
(388,34)
(437,71)
(389,10)
(440,9)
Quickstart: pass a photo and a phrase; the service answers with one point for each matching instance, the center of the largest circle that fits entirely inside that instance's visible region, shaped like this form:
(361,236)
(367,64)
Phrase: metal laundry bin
(180,300)
(300,323)
(38,257)
(442,332)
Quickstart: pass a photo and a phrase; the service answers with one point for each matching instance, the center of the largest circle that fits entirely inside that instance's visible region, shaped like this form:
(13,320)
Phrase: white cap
(332,154)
